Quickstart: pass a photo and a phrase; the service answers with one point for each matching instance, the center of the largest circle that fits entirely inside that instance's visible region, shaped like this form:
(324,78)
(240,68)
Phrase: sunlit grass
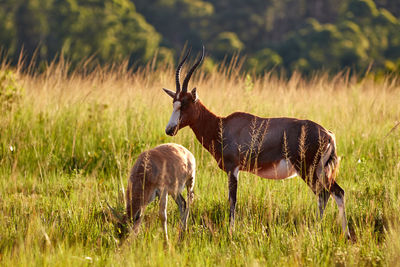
(68,144)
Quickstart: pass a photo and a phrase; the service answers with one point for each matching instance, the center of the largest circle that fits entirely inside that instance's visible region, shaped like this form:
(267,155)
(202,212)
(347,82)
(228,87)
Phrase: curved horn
(178,71)
(186,81)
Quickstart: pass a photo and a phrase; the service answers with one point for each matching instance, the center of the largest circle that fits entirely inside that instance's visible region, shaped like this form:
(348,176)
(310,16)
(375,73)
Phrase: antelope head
(184,103)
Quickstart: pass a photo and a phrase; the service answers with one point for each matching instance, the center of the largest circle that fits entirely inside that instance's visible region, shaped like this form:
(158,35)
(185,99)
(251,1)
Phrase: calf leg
(136,202)
(190,197)
(182,208)
(163,212)
(134,208)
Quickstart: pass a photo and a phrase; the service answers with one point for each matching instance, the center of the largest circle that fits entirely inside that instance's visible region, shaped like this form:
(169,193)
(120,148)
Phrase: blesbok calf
(161,171)
(272,148)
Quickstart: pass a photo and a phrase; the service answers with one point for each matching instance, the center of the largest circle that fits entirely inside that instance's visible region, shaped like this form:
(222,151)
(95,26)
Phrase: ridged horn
(178,71)
(187,78)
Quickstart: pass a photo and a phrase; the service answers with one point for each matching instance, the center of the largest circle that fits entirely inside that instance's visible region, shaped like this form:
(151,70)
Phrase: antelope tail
(332,164)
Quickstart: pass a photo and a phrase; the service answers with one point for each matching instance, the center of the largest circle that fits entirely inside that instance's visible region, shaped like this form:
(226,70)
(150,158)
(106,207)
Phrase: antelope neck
(206,127)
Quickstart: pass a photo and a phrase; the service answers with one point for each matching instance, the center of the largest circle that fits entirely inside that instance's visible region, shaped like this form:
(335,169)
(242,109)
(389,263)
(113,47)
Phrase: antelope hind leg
(338,194)
(323,197)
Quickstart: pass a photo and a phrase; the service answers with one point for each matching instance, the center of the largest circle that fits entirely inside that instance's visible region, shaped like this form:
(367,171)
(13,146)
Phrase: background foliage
(305,35)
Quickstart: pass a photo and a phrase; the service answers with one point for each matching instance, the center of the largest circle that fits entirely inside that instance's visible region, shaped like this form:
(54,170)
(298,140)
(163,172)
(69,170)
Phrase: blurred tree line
(303,35)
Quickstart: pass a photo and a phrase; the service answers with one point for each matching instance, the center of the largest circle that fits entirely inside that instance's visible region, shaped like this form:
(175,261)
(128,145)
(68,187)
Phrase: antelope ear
(194,95)
(169,92)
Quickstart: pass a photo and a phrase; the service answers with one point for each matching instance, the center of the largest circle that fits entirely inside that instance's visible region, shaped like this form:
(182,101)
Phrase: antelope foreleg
(233,180)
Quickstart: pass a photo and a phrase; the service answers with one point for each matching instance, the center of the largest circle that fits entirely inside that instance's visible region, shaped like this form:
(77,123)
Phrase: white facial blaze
(176,114)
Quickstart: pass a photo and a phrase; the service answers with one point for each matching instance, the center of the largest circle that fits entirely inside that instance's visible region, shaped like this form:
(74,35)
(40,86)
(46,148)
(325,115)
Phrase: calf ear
(194,95)
(169,92)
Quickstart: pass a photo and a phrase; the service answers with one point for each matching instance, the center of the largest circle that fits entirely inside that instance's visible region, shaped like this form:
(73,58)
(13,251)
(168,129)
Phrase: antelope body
(164,170)
(272,148)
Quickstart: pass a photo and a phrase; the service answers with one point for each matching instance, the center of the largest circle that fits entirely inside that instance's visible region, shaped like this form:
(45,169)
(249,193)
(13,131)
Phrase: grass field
(68,142)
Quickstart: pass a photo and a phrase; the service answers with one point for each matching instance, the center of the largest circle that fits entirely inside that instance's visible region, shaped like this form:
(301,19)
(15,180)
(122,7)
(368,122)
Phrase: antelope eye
(183,104)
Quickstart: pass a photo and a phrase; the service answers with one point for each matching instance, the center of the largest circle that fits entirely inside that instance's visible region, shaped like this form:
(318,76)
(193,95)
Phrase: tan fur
(161,171)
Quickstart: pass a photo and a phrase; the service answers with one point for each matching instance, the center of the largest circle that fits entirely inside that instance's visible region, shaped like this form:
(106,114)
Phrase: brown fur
(229,139)
(246,142)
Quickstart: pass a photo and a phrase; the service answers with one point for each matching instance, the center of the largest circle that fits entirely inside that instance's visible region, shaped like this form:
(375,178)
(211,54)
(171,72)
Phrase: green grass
(67,145)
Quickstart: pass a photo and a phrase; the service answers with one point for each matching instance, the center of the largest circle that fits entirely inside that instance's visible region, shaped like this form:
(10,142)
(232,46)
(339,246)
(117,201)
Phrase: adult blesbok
(272,148)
